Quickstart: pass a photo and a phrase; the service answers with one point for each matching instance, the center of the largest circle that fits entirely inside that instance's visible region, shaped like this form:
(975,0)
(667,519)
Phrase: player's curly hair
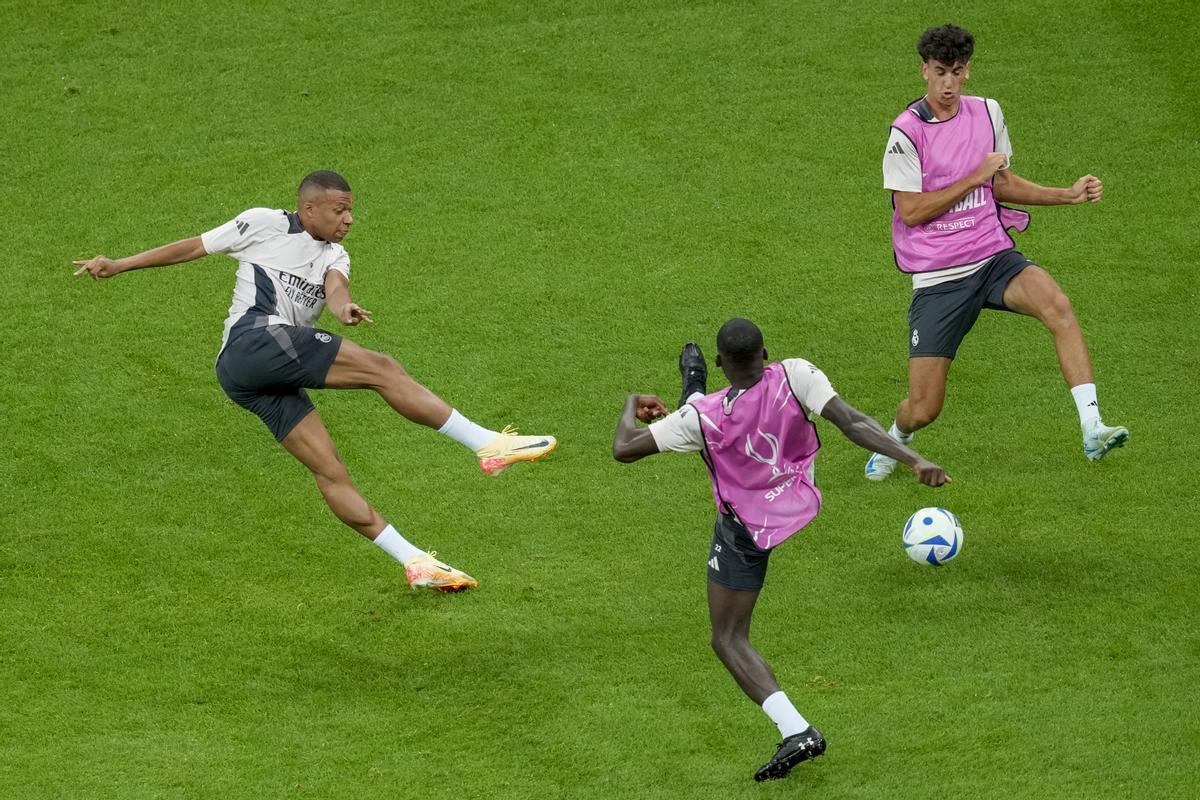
(948,44)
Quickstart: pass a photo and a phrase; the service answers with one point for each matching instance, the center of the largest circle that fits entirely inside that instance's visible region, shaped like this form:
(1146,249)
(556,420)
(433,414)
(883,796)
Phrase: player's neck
(307,229)
(943,112)
(745,380)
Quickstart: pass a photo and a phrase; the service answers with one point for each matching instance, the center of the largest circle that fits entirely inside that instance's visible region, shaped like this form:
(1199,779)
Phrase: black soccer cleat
(793,750)
(693,371)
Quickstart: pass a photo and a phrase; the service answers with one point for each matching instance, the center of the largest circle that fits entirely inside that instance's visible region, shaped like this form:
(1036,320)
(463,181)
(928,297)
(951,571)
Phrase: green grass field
(551,198)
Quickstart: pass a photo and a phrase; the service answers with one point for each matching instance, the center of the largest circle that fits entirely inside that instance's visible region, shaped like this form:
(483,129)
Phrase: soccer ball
(932,536)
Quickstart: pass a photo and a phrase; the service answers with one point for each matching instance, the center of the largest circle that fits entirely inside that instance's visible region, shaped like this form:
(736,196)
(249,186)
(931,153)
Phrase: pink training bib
(759,448)
(950,150)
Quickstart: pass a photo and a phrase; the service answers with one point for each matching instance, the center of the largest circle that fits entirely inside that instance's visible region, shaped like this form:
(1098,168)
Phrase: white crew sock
(1085,403)
(465,432)
(396,546)
(898,435)
(784,715)
(694,396)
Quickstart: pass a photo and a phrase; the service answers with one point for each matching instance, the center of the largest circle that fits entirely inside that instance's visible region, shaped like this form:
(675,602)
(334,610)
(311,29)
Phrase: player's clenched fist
(98,267)
(649,408)
(991,164)
(930,474)
(1088,189)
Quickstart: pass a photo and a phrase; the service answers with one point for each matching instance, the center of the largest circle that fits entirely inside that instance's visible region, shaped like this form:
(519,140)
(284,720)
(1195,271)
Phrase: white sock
(1085,403)
(396,546)
(784,715)
(899,435)
(465,432)
(694,396)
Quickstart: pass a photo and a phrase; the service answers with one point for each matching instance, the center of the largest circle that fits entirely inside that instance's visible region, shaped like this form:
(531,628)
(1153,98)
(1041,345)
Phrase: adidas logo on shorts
(712,562)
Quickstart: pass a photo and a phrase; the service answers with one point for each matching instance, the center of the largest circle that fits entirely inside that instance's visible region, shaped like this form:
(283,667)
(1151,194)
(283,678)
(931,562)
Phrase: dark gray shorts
(940,316)
(266,370)
(734,560)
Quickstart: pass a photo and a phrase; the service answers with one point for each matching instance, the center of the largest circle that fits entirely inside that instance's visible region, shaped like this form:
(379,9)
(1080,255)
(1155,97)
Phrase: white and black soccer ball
(932,536)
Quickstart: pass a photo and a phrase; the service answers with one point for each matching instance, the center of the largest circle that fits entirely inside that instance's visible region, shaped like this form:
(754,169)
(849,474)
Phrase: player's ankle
(900,435)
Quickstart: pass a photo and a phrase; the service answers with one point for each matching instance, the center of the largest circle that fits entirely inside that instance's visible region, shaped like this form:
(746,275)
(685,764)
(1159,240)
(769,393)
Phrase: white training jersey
(281,269)
(902,173)
(679,431)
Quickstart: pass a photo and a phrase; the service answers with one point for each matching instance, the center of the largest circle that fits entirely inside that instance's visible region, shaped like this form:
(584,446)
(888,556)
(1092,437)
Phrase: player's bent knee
(726,642)
(720,646)
(387,370)
(1059,312)
(331,476)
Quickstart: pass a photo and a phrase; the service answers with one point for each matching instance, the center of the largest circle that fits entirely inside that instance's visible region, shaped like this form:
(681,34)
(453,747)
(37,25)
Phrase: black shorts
(266,370)
(734,560)
(940,316)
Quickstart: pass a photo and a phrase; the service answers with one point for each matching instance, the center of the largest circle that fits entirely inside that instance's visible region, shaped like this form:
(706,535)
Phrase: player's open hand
(930,473)
(98,267)
(648,408)
(1087,189)
(352,314)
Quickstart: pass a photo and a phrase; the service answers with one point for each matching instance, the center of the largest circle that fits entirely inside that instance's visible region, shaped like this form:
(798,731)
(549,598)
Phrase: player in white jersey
(291,266)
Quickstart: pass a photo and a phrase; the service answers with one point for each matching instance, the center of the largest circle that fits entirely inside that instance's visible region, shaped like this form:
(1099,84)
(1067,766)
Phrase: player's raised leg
(693,373)
(311,444)
(359,368)
(1034,293)
(926,396)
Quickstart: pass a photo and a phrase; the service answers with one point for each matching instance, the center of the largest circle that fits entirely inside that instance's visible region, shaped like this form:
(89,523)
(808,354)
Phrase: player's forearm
(337,295)
(174,253)
(626,431)
(626,427)
(917,208)
(868,434)
(1015,189)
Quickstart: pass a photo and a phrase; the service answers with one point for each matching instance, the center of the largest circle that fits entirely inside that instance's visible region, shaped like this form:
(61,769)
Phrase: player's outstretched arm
(174,253)
(868,434)
(1011,188)
(337,300)
(631,442)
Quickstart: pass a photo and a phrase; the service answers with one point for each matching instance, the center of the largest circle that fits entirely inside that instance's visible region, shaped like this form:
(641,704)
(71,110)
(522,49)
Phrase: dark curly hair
(948,44)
